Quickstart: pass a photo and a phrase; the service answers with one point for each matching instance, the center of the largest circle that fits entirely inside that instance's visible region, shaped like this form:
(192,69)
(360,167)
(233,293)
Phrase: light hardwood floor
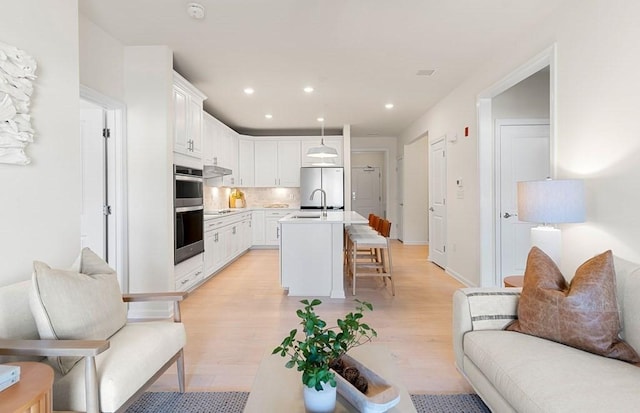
(241,314)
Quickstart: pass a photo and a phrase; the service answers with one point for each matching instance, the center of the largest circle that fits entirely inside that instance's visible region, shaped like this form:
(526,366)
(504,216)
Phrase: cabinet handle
(275,181)
(184,282)
(234,230)
(277,232)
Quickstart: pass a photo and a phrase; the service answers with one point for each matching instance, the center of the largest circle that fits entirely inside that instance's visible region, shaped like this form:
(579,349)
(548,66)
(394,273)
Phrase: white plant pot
(320,401)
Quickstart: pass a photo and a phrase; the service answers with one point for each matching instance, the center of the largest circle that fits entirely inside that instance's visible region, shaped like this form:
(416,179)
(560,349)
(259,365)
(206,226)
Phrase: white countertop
(234,211)
(315,217)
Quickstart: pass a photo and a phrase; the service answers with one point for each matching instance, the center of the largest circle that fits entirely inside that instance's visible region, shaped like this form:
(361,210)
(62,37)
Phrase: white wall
(597,106)
(388,145)
(148,95)
(101,60)
(527,99)
(40,208)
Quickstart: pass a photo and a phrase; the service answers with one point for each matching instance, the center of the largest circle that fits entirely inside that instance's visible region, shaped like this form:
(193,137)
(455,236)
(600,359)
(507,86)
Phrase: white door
(366,191)
(523,154)
(93,221)
(438,203)
(400,213)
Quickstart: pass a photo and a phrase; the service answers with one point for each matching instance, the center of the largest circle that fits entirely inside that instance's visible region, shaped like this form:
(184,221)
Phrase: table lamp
(550,202)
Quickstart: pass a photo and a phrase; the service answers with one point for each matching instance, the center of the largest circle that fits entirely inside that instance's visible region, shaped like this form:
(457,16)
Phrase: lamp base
(549,240)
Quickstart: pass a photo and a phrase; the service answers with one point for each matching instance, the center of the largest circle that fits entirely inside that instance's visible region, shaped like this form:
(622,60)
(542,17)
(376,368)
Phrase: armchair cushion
(85,305)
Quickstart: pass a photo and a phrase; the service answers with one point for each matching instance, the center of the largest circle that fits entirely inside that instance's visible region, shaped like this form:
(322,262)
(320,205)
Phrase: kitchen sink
(306,216)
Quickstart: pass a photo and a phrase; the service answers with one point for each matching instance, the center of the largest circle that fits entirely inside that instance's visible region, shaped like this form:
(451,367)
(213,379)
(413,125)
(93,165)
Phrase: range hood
(215,171)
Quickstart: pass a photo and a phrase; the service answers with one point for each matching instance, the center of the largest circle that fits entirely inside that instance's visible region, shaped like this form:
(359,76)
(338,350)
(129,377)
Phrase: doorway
(366,190)
(438,202)
(522,151)
(490,213)
(104,191)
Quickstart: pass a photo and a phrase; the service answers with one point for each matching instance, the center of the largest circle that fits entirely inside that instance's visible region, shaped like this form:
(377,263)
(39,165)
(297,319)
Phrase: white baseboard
(459,277)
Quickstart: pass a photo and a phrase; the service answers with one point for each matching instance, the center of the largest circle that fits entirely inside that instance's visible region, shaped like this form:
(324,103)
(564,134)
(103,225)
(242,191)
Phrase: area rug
(234,402)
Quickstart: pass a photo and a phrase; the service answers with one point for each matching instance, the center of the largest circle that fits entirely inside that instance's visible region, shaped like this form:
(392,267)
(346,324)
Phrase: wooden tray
(381,395)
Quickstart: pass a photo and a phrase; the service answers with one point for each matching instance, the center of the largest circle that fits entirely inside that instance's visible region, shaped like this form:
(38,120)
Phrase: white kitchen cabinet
(272,227)
(257,222)
(220,147)
(189,273)
(277,163)
(225,239)
(246,163)
(336,143)
(187,101)
(230,155)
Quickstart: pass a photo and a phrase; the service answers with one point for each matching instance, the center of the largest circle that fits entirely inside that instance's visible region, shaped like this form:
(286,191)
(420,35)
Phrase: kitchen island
(311,257)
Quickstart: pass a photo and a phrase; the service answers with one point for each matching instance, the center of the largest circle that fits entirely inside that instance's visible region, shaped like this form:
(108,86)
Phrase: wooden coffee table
(32,394)
(279,389)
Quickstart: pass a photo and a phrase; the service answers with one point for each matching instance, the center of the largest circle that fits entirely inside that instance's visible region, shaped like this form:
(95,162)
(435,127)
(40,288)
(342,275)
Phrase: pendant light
(322,151)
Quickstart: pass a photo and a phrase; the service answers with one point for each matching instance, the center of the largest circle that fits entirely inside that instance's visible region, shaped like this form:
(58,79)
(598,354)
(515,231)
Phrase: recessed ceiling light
(268,116)
(320,119)
(389,106)
(248,91)
(308,89)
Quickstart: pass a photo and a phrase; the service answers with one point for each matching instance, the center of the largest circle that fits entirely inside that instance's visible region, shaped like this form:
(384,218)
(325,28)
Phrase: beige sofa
(117,370)
(514,372)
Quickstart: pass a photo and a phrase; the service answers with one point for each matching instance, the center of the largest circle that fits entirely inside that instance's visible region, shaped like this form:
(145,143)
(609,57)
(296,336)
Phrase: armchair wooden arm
(176,297)
(85,348)
(53,348)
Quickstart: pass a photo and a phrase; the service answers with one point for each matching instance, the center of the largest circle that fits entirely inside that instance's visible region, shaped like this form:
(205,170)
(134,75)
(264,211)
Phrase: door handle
(508,215)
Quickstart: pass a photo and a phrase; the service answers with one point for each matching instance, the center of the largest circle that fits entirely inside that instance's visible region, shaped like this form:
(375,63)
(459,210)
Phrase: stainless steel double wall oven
(188,204)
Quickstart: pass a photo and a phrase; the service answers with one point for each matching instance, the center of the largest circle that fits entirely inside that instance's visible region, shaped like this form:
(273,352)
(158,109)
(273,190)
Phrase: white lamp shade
(551,201)
(322,151)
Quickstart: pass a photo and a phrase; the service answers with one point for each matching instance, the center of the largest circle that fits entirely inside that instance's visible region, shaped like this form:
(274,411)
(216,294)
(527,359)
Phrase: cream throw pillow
(84,303)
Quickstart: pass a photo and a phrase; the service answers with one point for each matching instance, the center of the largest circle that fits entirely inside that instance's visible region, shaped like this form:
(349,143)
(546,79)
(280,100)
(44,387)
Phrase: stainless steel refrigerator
(330,179)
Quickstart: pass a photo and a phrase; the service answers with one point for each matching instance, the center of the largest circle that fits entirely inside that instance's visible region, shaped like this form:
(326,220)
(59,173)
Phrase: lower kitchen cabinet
(189,273)
(225,238)
(272,227)
(257,222)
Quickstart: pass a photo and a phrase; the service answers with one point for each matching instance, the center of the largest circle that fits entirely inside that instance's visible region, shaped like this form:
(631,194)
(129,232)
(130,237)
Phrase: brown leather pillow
(583,314)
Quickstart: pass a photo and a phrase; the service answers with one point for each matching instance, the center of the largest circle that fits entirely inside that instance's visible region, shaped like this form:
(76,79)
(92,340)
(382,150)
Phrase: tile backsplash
(218,197)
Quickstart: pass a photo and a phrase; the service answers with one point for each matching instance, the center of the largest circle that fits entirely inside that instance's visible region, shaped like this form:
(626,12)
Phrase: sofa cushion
(73,305)
(583,314)
(136,353)
(538,375)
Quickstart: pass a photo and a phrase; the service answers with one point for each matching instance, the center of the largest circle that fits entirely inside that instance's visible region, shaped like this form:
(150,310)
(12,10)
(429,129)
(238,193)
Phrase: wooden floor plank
(241,313)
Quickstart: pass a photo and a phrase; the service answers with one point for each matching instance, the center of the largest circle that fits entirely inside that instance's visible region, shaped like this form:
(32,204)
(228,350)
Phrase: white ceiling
(357,54)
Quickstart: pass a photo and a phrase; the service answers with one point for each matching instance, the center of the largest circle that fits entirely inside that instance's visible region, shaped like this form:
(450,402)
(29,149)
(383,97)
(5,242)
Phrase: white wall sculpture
(17,70)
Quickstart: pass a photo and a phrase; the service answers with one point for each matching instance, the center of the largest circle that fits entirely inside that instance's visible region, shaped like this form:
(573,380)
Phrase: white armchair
(112,373)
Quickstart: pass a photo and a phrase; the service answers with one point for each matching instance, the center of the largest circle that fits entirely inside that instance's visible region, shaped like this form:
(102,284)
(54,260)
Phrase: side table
(32,394)
(514,281)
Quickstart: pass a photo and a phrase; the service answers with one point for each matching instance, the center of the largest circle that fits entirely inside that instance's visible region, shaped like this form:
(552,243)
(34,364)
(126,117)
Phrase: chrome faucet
(323,199)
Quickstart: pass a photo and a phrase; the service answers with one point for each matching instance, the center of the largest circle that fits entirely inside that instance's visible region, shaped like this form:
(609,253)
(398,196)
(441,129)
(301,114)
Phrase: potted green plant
(321,345)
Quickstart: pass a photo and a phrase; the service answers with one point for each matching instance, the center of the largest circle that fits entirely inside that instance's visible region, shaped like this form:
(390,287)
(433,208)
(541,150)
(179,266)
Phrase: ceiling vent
(425,72)
(195,10)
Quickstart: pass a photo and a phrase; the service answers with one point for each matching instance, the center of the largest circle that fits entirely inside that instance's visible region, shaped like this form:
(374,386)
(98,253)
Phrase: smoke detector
(195,10)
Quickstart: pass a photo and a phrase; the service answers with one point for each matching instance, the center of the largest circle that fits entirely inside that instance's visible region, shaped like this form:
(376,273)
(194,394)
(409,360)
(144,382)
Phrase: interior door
(438,203)
(400,213)
(523,150)
(93,221)
(366,191)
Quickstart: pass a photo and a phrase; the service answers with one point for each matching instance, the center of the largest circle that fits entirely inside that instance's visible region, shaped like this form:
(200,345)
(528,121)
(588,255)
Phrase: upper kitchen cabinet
(246,162)
(333,142)
(187,102)
(277,163)
(220,147)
